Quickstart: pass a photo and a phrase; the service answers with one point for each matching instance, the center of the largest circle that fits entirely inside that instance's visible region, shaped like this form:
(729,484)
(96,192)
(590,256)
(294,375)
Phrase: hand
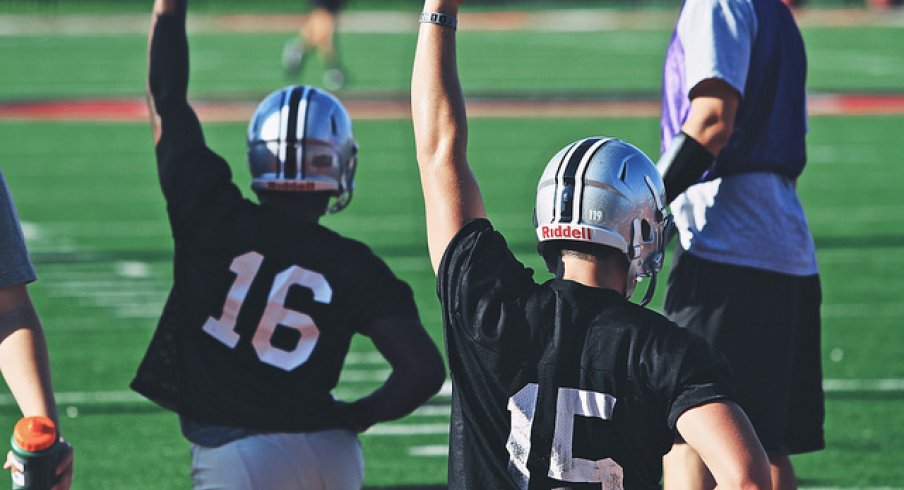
(348,414)
(64,469)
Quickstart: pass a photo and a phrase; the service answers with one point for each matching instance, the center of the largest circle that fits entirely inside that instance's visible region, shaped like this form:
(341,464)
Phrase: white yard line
(888,385)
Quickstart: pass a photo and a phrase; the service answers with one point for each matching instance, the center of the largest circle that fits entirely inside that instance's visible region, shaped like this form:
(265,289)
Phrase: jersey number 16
(246,267)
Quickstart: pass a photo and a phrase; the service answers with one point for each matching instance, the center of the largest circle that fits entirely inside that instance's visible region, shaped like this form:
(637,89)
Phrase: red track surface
(131,110)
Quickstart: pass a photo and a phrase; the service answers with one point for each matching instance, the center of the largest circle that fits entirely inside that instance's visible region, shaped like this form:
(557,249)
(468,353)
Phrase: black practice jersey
(263,306)
(559,385)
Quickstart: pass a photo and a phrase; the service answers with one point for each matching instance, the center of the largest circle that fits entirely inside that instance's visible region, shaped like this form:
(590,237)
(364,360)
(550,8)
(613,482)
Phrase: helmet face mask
(300,140)
(607,192)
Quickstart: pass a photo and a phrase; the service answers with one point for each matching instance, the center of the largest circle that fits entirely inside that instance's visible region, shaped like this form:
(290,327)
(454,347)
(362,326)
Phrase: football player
(265,300)
(317,33)
(564,384)
(745,275)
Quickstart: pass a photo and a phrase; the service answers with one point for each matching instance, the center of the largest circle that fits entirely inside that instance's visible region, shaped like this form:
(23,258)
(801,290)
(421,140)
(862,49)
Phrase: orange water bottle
(36,453)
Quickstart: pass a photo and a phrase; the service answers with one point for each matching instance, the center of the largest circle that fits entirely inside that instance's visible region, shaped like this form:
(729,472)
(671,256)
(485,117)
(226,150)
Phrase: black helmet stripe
(282,150)
(582,172)
(291,163)
(559,169)
(566,180)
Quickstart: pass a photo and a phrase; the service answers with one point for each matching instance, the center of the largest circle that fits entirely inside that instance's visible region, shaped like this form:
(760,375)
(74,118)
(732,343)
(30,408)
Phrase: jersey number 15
(246,267)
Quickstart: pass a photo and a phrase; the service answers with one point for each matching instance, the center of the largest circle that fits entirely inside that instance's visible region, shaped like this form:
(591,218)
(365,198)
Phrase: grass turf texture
(92,196)
(100,241)
(291,6)
(512,63)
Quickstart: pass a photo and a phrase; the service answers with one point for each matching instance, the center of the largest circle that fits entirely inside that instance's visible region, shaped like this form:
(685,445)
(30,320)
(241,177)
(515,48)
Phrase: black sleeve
(168,86)
(480,284)
(378,294)
(703,376)
(196,182)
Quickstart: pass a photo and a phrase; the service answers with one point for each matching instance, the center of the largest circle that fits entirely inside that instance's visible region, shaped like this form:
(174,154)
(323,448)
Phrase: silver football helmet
(300,140)
(605,191)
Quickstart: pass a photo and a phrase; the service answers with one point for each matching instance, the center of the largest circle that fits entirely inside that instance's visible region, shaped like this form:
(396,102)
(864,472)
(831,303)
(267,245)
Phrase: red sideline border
(135,110)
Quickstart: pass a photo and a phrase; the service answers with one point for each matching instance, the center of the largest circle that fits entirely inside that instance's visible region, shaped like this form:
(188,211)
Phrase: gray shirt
(15,266)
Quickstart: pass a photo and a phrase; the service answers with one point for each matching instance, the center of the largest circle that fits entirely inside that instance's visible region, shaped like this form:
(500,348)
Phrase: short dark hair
(592,252)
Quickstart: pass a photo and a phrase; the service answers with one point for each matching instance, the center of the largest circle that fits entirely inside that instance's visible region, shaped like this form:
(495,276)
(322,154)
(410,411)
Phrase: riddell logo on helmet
(565,231)
(289,186)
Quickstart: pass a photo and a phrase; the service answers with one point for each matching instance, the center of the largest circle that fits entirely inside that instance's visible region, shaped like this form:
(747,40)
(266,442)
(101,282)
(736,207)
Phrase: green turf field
(97,229)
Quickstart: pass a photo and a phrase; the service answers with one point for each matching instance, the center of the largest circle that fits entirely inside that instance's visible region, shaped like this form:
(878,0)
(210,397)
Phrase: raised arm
(451,194)
(168,74)
(417,372)
(728,445)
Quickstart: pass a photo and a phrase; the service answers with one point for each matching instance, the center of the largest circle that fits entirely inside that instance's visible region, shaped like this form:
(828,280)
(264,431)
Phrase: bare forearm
(24,362)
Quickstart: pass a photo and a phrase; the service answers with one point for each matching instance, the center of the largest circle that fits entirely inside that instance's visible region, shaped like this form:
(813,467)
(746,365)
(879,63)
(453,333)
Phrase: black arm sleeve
(196,182)
(683,164)
(168,64)
(168,85)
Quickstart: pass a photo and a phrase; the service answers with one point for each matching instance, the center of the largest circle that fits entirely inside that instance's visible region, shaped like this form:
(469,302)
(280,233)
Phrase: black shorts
(331,5)
(768,326)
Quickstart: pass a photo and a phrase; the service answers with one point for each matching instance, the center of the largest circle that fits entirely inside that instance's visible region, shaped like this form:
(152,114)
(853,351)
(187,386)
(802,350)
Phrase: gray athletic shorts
(768,326)
(324,460)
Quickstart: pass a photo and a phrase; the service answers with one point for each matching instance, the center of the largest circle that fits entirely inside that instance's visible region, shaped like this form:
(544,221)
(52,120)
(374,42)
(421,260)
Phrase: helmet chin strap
(648,296)
(340,203)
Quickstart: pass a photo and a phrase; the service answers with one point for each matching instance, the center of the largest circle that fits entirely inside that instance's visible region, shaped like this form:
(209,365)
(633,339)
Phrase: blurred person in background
(744,276)
(265,300)
(23,348)
(317,34)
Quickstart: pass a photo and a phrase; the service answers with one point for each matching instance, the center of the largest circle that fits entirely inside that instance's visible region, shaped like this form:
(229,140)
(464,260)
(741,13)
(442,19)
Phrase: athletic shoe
(333,79)
(292,56)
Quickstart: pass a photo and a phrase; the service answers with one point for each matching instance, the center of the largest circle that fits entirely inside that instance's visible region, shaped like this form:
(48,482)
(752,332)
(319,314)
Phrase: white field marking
(361,358)
(862,310)
(402,429)
(364,375)
(432,451)
(889,385)
(857,257)
(844,154)
(133,269)
(112,229)
(124,296)
(73,282)
(432,411)
(860,214)
(39,240)
(138,311)
(31,231)
(854,385)
(446,389)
